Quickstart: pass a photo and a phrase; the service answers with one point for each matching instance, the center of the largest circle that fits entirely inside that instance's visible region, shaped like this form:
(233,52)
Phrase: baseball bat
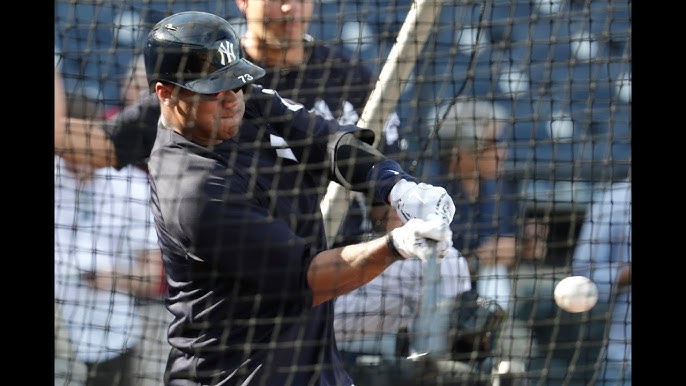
(427,332)
(383,98)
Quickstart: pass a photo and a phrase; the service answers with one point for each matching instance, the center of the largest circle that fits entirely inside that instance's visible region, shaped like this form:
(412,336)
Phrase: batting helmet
(198,51)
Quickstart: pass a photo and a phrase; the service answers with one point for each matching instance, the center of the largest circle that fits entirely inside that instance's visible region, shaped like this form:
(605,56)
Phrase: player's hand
(412,200)
(419,238)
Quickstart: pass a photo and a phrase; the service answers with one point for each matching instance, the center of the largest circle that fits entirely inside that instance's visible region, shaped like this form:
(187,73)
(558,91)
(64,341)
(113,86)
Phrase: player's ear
(165,93)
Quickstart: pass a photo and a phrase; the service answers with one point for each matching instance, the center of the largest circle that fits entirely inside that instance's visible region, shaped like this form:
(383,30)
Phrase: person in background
(237,174)
(603,254)
(484,227)
(104,240)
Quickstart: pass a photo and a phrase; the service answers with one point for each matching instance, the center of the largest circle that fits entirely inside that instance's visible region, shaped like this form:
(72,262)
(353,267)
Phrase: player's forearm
(143,281)
(84,141)
(338,271)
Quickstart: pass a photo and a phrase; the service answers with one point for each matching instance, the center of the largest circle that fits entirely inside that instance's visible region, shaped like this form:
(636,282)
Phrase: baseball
(576,294)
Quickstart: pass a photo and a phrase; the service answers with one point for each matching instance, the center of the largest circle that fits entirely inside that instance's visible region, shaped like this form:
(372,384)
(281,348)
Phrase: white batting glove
(419,238)
(412,200)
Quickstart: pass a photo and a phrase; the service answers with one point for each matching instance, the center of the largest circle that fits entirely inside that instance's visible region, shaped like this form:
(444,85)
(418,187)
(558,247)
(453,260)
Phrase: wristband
(391,247)
(384,175)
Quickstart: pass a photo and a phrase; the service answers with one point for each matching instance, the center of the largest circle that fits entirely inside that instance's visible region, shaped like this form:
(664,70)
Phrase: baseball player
(237,174)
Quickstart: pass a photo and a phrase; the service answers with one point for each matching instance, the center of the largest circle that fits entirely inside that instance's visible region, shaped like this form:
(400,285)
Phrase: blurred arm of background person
(79,140)
(144,280)
(115,138)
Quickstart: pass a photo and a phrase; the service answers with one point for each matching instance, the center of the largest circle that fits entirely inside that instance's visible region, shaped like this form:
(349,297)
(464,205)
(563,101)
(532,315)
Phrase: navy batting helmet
(198,51)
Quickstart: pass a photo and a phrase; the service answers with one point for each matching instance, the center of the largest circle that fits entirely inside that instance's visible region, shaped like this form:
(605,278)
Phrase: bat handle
(432,322)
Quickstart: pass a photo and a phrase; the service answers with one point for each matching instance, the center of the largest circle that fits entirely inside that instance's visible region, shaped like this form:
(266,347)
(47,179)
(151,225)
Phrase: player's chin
(227,131)
(230,121)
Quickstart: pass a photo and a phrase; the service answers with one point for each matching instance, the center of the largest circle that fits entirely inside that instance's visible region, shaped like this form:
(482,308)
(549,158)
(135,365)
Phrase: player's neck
(274,55)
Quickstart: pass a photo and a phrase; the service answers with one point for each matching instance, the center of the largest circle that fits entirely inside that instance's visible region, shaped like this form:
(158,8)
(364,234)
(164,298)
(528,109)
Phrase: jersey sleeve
(133,130)
(318,141)
(243,241)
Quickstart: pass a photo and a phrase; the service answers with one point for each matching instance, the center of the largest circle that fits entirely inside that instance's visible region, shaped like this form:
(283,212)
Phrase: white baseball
(576,294)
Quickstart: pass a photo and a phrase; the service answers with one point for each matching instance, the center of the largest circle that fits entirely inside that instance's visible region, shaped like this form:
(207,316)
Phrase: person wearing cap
(237,174)
(487,208)
(485,223)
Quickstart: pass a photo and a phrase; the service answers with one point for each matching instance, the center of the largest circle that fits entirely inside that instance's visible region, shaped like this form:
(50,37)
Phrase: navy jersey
(493,213)
(328,84)
(238,224)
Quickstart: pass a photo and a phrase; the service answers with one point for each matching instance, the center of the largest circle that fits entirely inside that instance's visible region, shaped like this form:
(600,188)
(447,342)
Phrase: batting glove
(419,238)
(412,200)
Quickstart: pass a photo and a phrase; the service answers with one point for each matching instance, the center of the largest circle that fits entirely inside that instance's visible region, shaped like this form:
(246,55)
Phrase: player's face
(210,119)
(279,23)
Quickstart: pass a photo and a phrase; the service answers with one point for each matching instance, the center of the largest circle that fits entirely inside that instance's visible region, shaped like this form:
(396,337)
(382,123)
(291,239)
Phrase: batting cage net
(520,109)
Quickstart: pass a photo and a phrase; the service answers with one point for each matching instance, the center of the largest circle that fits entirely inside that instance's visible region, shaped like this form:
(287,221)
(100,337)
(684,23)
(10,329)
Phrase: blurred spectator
(487,209)
(377,320)
(104,242)
(603,254)
(484,226)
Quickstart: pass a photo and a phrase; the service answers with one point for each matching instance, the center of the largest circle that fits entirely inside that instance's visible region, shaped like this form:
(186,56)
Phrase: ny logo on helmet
(227,54)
